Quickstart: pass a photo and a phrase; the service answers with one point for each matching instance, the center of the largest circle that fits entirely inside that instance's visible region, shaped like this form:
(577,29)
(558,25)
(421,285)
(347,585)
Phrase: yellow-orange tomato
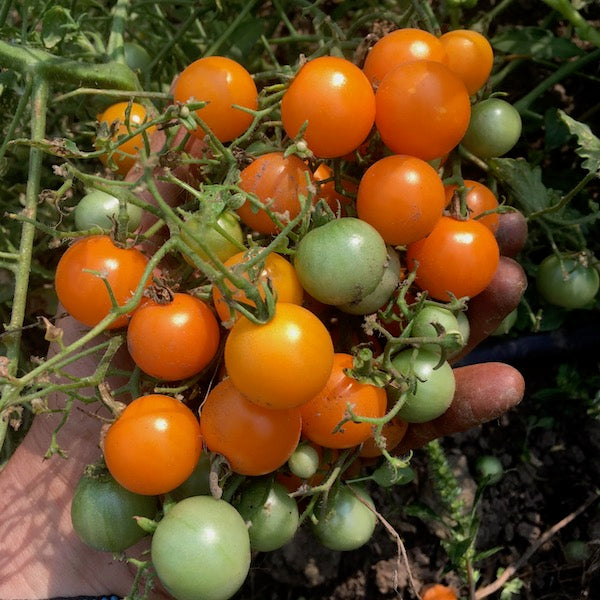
(335,98)
(255,440)
(470,56)
(322,414)
(400,46)
(128,117)
(154,445)
(393,432)
(225,85)
(174,340)
(437,591)
(402,197)
(278,181)
(328,192)
(423,109)
(282,363)
(480,199)
(275,270)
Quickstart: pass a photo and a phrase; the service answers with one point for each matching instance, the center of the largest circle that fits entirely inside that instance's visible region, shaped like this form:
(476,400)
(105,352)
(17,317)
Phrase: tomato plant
(99,209)
(304,461)
(422,109)
(226,87)
(392,433)
(468,246)
(401,46)
(341,261)
(123,119)
(255,440)
(323,416)
(102,512)
(201,549)
(154,445)
(479,199)
(433,321)
(278,181)
(282,363)
(86,271)
(402,197)
(335,99)
(567,282)
(327,190)
(437,591)
(184,332)
(490,468)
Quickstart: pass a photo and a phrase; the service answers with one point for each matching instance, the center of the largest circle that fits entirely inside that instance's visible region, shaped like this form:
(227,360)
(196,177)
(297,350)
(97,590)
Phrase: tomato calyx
(161,294)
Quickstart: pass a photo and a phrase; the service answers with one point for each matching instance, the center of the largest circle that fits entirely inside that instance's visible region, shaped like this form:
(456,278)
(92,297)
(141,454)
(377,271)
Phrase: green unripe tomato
(494,128)
(271,513)
(137,57)
(197,484)
(434,389)
(489,466)
(99,209)
(424,325)
(576,551)
(507,323)
(102,513)
(304,461)
(386,475)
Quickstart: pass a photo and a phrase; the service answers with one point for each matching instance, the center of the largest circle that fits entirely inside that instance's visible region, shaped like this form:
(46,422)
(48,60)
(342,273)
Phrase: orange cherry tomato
(336,99)
(225,85)
(278,182)
(255,440)
(282,363)
(129,117)
(84,268)
(480,199)
(275,270)
(398,47)
(437,591)
(326,410)
(470,56)
(402,197)
(175,340)
(393,432)
(328,192)
(457,257)
(423,109)
(154,445)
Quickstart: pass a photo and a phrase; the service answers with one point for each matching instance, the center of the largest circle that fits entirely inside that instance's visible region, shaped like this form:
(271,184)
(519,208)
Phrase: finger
(484,392)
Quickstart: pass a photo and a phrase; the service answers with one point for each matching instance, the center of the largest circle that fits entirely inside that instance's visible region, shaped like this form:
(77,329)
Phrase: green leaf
(588,146)
(536,42)
(56,24)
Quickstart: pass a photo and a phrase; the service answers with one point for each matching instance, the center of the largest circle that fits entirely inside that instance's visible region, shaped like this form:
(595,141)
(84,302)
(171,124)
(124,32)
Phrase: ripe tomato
(401,46)
(341,261)
(434,387)
(99,209)
(402,197)
(336,99)
(255,440)
(201,549)
(83,293)
(278,182)
(154,445)
(393,432)
(457,257)
(494,128)
(128,118)
(479,199)
(184,336)
(225,85)
(570,284)
(423,109)
(323,413)
(470,56)
(282,363)
(275,270)
(437,591)
(328,192)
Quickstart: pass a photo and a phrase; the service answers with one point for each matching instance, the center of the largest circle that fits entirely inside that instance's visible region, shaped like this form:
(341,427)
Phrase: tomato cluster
(349,221)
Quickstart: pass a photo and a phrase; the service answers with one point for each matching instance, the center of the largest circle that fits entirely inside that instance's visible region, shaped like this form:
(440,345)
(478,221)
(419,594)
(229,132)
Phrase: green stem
(585,30)
(214,47)
(115,48)
(23,101)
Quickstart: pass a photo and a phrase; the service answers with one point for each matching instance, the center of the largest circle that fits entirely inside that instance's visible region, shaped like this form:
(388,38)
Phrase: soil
(550,449)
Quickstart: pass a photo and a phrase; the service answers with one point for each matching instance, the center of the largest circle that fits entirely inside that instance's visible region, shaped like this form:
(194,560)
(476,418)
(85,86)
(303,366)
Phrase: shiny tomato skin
(480,199)
(129,118)
(99,209)
(470,56)
(276,271)
(423,109)
(84,294)
(322,414)
(401,46)
(282,363)
(278,181)
(222,83)
(154,445)
(174,340)
(402,197)
(336,99)
(457,257)
(255,440)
